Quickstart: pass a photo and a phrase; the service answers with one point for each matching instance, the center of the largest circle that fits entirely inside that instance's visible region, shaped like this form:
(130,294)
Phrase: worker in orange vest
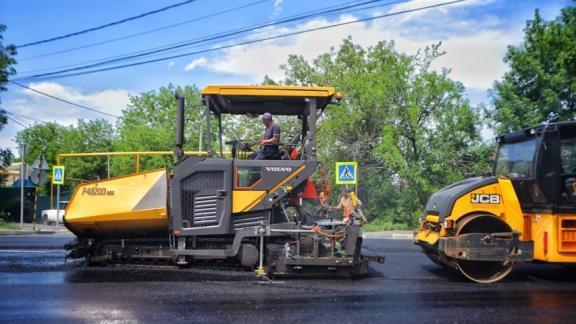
(348,203)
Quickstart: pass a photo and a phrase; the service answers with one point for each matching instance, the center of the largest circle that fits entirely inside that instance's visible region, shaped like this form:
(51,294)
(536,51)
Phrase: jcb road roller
(525,212)
(248,212)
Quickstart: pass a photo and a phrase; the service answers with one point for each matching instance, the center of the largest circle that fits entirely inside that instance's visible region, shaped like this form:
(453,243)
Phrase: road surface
(37,286)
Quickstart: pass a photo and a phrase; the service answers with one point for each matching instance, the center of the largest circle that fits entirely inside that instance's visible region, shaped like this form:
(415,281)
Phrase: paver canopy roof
(258,99)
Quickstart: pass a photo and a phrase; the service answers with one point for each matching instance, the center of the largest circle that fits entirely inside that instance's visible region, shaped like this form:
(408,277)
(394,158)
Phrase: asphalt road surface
(37,286)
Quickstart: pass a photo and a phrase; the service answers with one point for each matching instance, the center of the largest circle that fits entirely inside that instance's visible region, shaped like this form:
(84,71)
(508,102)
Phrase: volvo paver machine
(482,226)
(246,212)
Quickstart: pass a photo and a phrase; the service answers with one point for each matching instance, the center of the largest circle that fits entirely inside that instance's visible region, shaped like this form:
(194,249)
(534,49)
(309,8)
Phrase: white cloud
(171,64)
(111,101)
(196,63)
(32,104)
(277,8)
(474,46)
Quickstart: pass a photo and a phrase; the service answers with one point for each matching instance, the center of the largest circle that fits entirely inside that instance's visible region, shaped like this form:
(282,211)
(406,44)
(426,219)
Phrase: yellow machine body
(554,235)
(133,205)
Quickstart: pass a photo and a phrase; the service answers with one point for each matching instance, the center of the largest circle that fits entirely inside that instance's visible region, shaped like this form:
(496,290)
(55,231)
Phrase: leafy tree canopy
(409,127)
(7,63)
(541,83)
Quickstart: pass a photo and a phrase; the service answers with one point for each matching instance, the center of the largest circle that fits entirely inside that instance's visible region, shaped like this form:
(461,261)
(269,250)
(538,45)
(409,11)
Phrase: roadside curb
(391,235)
(18,232)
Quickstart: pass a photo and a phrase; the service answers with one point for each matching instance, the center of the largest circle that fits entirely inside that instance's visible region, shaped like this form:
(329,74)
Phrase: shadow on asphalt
(130,273)
(521,273)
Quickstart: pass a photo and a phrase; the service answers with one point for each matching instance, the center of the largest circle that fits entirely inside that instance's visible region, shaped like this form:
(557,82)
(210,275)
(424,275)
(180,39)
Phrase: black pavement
(37,286)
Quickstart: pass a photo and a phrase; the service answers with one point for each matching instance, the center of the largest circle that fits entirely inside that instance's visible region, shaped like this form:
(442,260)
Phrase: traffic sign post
(346,173)
(23,178)
(58,179)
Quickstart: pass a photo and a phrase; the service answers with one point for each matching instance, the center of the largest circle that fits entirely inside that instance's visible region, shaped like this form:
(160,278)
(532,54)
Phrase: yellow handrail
(137,154)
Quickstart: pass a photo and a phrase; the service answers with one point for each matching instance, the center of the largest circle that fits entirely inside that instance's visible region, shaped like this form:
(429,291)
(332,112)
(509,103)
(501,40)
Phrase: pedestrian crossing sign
(346,173)
(58,175)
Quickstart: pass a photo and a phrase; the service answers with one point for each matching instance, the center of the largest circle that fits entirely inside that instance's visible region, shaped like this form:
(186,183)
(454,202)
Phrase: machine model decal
(278,169)
(484,198)
(97,192)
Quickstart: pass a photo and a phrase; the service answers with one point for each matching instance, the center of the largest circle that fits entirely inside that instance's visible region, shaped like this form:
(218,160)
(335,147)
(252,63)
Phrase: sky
(474,34)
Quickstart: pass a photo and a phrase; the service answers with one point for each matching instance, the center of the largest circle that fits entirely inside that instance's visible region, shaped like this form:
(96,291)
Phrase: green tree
(52,139)
(7,63)
(541,83)
(88,136)
(149,124)
(410,128)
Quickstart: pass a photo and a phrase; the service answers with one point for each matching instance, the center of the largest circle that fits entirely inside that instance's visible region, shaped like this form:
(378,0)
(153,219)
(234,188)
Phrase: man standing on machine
(269,140)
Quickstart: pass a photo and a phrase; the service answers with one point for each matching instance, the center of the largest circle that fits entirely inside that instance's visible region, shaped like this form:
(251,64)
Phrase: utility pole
(23,151)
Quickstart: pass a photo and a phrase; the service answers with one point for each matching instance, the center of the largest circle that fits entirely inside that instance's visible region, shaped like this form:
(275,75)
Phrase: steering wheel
(244,145)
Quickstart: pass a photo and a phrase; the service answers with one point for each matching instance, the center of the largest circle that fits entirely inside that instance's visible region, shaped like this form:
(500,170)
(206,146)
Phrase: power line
(199,40)
(210,38)
(214,37)
(204,40)
(23,116)
(64,100)
(142,15)
(17,122)
(145,32)
(61,74)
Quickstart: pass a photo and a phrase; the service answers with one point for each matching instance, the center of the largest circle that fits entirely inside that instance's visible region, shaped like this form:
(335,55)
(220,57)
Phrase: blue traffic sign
(58,174)
(346,173)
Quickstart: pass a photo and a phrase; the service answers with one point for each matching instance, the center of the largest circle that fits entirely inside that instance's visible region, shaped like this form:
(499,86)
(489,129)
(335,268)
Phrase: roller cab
(482,226)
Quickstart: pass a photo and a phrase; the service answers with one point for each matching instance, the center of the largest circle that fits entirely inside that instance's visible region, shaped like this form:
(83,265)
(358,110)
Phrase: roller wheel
(483,271)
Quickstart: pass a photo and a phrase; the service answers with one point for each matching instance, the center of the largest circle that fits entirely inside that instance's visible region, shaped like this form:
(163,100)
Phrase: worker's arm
(339,206)
(275,136)
(272,140)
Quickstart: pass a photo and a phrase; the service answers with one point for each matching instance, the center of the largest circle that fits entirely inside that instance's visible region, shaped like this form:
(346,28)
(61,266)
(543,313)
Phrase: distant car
(49,215)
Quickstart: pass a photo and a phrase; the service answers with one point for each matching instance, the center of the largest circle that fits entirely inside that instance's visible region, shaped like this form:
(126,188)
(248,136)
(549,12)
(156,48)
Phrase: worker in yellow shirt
(347,203)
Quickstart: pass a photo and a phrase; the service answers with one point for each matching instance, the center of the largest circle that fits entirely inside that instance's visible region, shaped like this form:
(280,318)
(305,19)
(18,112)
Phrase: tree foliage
(410,128)
(541,83)
(149,124)
(52,139)
(7,63)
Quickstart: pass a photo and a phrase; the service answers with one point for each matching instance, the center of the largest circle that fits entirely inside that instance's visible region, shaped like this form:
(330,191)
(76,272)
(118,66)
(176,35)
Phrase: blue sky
(474,34)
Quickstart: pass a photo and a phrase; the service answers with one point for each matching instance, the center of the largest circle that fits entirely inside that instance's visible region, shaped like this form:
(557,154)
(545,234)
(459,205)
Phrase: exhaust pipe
(179,126)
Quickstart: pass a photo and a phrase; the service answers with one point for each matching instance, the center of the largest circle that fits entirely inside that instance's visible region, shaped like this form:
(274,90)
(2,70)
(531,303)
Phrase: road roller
(263,215)
(524,211)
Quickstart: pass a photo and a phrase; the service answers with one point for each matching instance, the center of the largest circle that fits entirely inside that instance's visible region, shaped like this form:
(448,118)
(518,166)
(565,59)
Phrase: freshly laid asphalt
(37,286)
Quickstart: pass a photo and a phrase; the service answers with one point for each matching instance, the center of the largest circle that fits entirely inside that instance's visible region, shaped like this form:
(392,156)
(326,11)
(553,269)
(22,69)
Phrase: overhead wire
(22,116)
(200,41)
(114,23)
(251,4)
(65,101)
(17,122)
(62,74)
(210,39)
(215,37)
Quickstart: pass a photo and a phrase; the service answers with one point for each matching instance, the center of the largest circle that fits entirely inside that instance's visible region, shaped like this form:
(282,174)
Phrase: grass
(378,225)
(4,225)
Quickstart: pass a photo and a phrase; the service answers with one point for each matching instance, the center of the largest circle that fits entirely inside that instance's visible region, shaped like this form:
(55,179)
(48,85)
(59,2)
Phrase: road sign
(58,175)
(39,168)
(346,173)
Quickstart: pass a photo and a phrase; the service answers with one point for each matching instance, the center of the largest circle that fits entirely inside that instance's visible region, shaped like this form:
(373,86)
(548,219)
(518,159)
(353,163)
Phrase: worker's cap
(266,116)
